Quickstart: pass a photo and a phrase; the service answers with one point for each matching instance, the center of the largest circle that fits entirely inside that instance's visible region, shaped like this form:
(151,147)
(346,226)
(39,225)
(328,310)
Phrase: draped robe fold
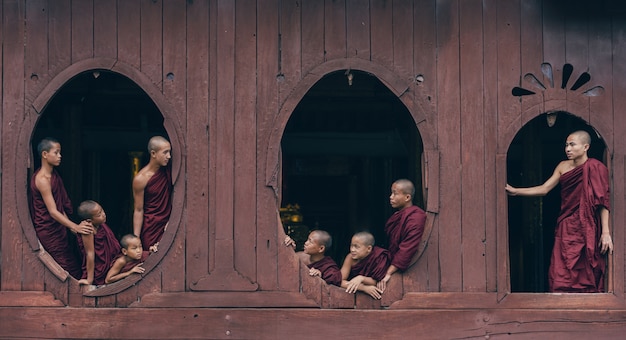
(130,264)
(405,229)
(52,235)
(157,206)
(374,265)
(577,264)
(106,249)
(330,270)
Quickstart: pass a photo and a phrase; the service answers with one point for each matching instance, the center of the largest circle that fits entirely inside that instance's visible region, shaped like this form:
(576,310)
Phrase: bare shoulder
(142,177)
(565,166)
(42,181)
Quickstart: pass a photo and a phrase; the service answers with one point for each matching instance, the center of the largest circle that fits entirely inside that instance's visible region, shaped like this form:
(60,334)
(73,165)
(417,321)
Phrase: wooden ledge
(28,299)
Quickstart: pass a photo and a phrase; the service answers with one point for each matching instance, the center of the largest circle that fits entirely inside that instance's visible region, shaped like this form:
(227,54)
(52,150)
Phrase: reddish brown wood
(289,68)
(82,30)
(28,299)
(358,29)
(334,29)
(151,43)
(402,38)
(36,63)
(105,28)
(531,41)
(312,34)
(381,38)
(128,32)
(59,35)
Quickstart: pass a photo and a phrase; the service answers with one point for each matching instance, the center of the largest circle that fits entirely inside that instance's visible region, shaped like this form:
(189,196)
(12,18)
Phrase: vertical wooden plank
(105,28)
(473,154)
(129,32)
(490,104)
(577,54)
(82,30)
(601,54)
(449,121)
(334,29)
(2,30)
(312,34)
(554,50)
(59,34)
(267,259)
(382,32)
(151,44)
(358,29)
(532,57)
(402,30)
(12,114)
(198,143)
(290,65)
(59,289)
(36,63)
(245,139)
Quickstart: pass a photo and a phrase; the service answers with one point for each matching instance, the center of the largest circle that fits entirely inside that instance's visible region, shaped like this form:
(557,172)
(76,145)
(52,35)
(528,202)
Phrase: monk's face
(53,156)
(358,249)
(398,198)
(163,154)
(575,148)
(312,245)
(98,216)
(134,249)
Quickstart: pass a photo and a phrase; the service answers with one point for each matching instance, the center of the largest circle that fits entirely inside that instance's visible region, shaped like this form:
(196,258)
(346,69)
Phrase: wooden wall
(226,76)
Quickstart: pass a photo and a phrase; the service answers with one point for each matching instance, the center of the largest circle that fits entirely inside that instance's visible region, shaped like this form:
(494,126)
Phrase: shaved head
(405,186)
(156,143)
(367,238)
(582,136)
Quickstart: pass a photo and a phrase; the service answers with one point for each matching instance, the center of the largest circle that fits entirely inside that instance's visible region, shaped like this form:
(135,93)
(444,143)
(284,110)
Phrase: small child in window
(129,261)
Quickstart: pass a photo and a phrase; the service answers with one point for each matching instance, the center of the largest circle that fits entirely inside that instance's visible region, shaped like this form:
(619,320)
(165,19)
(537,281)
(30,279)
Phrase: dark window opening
(532,157)
(344,145)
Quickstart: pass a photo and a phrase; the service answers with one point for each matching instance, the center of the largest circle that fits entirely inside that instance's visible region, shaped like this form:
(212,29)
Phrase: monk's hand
(139,269)
(85,227)
(154,248)
(289,242)
(382,284)
(606,243)
(353,285)
(83,282)
(372,291)
(315,272)
(510,190)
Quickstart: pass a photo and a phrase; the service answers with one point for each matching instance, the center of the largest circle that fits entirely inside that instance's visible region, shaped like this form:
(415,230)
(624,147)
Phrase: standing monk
(582,233)
(152,188)
(50,205)
(404,228)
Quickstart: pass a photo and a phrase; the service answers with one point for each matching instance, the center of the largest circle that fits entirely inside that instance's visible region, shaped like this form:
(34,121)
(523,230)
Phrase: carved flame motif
(568,69)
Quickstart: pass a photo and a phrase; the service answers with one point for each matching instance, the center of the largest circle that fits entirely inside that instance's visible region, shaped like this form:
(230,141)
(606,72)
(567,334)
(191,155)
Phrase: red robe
(130,264)
(157,205)
(374,265)
(330,270)
(106,249)
(576,264)
(52,234)
(405,229)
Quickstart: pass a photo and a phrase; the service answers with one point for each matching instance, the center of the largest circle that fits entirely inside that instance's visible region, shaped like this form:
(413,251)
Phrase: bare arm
(90,257)
(540,190)
(114,273)
(139,184)
(606,243)
(44,187)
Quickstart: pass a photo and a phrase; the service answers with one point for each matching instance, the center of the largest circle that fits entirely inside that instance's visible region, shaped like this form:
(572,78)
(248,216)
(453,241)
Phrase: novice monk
(404,228)
(50,205)
(315,259)
(152,191)
(364,266)
(100,248)
(130,261)
(582,234)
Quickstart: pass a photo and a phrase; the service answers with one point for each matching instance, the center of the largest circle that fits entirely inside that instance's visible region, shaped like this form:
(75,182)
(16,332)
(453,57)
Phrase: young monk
(364,266)
(314,256)
(130,261)
(50,206)
(582,235)
(152,191)
(404,228)
(98,249)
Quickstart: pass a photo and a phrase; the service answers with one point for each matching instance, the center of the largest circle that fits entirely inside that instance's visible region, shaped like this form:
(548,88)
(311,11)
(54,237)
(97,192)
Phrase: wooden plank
(358,29)
(334,29)
(225,299)
(105,28)
(82,30)
(402,38)
(449,120)
(36,60)
(290,65)
(531,58)
(245,163)
(28,299)
(2,28)
(203,323)
(490,105)
(12,113)
(312,34)
(128,32)
(197,239)
(554,51)
(473,153)
(151,44)
(577,54)
(381,35)
(59,35)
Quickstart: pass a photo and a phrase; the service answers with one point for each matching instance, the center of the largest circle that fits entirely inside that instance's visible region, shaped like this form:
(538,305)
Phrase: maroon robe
(374,265)
(577,264)
(52,234)
(106,249)
(130,264)
(330,270)
(157,205)
(405,229)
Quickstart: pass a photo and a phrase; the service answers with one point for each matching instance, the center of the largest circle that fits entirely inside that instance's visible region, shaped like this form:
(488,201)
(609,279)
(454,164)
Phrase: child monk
(130,261)
(98,249)
(364,266)
(314,256)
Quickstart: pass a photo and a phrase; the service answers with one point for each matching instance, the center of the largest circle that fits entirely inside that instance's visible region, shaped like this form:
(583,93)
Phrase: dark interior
(534,153)
(342,148)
